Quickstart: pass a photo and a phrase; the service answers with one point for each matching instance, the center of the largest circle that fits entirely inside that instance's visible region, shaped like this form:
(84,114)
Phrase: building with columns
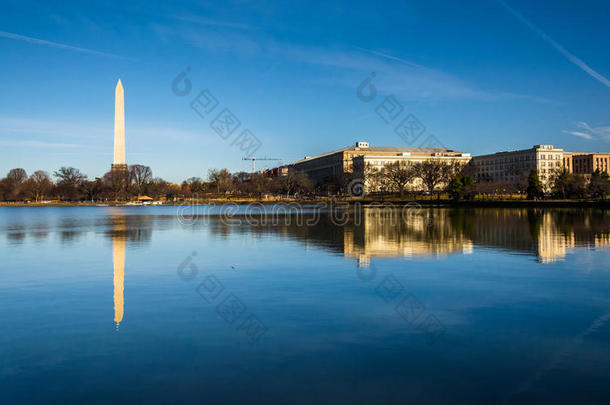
(586,163)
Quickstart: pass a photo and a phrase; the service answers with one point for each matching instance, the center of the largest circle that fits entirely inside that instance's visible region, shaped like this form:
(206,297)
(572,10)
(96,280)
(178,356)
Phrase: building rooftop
(532,149)
(355,148)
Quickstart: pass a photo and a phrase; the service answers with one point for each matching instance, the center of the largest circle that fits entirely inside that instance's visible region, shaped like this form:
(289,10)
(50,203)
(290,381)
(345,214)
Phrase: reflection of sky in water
(518,293)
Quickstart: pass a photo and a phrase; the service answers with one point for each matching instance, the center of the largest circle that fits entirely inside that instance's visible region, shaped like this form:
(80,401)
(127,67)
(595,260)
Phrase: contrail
(387,56)
(575,60)
(54,44)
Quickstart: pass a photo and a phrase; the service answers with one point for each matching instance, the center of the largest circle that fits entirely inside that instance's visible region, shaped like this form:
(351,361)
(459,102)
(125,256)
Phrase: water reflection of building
(385,233)
(547,234)
(551,242)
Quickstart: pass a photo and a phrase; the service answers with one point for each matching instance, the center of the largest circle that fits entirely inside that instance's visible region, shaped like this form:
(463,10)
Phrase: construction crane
(254,159)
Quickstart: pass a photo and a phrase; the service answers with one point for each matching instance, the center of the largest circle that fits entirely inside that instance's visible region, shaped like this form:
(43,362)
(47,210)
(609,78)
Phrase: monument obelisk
(118,164)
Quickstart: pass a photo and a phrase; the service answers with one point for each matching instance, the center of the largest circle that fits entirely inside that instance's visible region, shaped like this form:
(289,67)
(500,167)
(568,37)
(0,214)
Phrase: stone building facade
(516,165)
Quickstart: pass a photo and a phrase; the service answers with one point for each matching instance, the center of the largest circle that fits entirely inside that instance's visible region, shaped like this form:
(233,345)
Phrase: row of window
(513,159)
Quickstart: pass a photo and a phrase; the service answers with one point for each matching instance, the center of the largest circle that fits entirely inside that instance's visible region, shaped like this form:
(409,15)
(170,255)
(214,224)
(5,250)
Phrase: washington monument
(119,128)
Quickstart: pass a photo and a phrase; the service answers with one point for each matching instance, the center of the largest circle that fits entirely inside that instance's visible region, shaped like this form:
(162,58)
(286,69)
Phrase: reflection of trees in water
(66,237)
(15,237)
(586,225)
(324,233)
(135,228)
(545,233)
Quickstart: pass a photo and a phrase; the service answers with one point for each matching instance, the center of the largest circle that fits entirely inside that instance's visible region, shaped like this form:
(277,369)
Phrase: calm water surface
(132,305)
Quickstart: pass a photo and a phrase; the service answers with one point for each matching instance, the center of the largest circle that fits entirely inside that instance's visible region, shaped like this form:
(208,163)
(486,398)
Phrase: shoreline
(352,201)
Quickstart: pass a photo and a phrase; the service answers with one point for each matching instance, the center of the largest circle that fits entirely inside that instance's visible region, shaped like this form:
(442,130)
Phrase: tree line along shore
(435,183)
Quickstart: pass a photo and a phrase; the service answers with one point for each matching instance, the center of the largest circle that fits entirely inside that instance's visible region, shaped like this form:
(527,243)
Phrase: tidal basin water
(109,304)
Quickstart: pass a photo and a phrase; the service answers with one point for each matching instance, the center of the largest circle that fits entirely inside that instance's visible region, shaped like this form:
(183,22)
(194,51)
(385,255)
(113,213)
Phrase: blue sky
(481,76)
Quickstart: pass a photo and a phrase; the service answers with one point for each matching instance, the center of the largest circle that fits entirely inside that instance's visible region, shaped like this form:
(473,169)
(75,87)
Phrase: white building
(365,163)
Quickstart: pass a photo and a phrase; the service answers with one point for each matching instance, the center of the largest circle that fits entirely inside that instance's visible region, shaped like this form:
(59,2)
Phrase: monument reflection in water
(118,262)
(522,295)
(124,227)
(546,234)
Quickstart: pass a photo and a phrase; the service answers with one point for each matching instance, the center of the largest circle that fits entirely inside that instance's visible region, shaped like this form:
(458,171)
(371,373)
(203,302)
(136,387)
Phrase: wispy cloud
(572,58)
(395,75)
(37,41)
(586,131)
(579,134)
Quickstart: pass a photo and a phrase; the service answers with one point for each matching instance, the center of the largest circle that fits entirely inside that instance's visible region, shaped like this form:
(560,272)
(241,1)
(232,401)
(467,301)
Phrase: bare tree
(294,182)
(15,184)
(70,179)
(221,179)
(40,184)
(17,176)
(140,175)
(431,173)
(259,183)
(197,186)
(399,175)
(436,172)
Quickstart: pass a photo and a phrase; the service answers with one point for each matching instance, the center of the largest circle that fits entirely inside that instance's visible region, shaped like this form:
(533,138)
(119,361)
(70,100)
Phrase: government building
(517,164)
(545,159)
(336,164)
(360,160)
(586,163)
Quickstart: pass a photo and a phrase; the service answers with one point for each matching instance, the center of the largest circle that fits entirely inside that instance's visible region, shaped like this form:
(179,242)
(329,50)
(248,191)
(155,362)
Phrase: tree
(294,182)
(399,175)
(599,186)
(534,187)
(69,182)
(431,173)
(468,183)
(172,191)
(456,188)
(93,189)
(40,184)
(158,188)
(560,183)
(116,183)
(578,186)
(462,187)
(221,179)
(259,183)
(435,172)
(17,176)
(140,175)
(3,190)
(196,185)
(15,184)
